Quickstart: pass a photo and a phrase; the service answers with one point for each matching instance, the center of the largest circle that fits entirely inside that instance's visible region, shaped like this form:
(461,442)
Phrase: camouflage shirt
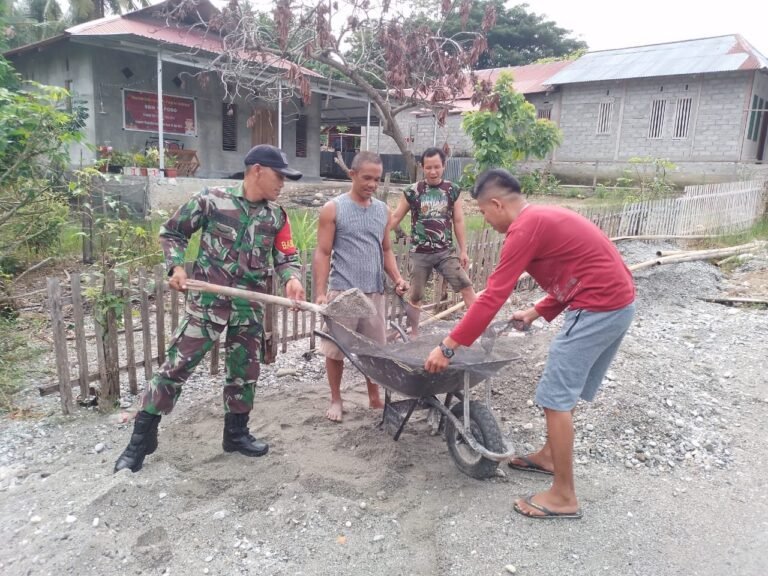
(238,240)
(432,215)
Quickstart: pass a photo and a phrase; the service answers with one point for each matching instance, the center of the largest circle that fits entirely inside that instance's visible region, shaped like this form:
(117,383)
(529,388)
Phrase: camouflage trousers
(190,343)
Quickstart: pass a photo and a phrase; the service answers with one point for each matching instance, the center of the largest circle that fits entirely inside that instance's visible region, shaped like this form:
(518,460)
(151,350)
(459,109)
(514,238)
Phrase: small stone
(95,522)
(99,448)
(590,427)
(36,519)
(205,570)
(125,403)
(628,464)
(363,505)
(208,558)
(287,372)
(318,195)
(510,568)
(162,495)
(679,423)
(348,524)
(378,538)
(70,519)
(528,426)
(529,403)
(220,515)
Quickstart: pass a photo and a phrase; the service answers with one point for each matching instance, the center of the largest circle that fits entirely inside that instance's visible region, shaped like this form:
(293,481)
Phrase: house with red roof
(116,67)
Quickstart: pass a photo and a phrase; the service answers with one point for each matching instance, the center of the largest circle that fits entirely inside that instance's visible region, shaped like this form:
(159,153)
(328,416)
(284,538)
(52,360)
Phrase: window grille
(656,124)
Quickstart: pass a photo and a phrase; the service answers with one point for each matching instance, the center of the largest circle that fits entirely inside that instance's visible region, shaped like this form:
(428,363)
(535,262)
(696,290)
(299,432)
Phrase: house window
(682,118)
(301,137)
(755,117)
(656,124)
(604,117)
(229,127)
(544,113)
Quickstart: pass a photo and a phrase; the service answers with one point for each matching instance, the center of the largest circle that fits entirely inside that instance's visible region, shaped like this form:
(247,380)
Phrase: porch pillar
(160,135)
(280,115)
(368,127)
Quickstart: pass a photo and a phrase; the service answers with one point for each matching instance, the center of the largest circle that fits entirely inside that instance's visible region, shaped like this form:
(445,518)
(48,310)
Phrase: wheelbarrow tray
(388,366)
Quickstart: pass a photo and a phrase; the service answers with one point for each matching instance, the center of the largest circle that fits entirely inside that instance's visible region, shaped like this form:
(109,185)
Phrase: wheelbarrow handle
(200,286)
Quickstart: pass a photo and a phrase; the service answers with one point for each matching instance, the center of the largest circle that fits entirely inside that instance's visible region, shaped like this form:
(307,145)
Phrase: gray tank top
(357,260)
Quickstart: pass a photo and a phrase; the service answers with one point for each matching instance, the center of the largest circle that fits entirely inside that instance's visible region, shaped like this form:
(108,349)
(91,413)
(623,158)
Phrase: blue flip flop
(530,466)
(546,513)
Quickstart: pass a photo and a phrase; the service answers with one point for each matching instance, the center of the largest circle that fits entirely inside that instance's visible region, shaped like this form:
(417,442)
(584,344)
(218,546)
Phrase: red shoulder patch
(284,240)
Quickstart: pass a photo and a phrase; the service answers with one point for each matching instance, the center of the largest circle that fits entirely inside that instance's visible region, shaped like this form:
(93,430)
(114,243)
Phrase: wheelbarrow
(473,436)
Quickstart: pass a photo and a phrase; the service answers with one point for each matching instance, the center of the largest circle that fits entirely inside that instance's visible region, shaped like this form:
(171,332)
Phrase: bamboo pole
(696,255)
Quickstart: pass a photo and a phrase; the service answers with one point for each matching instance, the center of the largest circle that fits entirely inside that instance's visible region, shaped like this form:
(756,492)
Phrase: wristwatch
(447,352)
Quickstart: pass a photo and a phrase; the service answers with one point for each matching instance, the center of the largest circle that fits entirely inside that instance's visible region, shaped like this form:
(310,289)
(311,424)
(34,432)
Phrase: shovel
(496,329)
(350,303)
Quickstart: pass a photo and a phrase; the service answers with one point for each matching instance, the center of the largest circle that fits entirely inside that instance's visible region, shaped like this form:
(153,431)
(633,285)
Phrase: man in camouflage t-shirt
(244,233)
(436,213)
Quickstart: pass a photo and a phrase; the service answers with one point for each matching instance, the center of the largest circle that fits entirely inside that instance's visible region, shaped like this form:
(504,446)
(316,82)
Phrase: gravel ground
(672,467)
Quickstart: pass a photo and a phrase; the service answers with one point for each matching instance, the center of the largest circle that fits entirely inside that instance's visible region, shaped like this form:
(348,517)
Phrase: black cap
(271,157)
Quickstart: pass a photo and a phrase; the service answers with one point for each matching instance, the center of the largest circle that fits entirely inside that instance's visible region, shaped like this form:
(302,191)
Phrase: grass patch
(758,231)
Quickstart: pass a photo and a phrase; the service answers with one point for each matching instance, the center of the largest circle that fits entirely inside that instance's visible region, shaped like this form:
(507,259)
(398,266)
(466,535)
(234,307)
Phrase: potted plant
(152,156)
(117,162)
(104,157)
(170,166)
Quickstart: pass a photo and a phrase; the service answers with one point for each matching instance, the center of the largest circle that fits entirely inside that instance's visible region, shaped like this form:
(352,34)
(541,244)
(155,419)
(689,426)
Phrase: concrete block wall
(64,64)
(716,119)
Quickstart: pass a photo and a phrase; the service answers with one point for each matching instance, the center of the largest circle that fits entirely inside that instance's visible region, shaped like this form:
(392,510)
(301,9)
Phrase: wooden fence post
(146,333)
(130,345)
(160,312)
(110,389)
(60,345)
(79,319)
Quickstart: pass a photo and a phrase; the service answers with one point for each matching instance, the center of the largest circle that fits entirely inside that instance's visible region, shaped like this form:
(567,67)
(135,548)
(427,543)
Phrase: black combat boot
(143,442)
(238,439)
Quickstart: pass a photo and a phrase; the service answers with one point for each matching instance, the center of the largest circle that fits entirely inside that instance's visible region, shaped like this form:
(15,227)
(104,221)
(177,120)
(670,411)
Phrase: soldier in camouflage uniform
(242,230)
(436,212)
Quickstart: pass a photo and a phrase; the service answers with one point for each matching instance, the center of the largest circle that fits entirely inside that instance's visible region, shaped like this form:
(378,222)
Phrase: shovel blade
(350,303)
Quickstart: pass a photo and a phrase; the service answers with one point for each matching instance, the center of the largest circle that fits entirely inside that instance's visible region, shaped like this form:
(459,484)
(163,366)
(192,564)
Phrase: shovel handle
(200,286)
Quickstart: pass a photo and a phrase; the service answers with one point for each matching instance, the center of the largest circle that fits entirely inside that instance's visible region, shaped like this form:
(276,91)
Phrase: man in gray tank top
(353,251)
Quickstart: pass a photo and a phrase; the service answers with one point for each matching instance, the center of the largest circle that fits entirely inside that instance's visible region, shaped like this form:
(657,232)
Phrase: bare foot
(375,403)
(547,504)
(334,412)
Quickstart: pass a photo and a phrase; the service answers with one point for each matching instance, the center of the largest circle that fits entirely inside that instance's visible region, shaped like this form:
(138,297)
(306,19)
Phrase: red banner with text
(140,113)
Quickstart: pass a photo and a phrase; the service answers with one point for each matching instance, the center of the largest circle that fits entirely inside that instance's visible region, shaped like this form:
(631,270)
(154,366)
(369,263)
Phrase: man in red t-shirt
(582,273)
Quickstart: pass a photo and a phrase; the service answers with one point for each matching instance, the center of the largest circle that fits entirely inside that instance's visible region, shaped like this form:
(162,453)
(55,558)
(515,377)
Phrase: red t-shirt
(568,256)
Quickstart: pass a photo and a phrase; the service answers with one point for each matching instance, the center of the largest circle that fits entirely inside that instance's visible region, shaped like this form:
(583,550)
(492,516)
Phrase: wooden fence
(708,209)
(151,311)
(134,338)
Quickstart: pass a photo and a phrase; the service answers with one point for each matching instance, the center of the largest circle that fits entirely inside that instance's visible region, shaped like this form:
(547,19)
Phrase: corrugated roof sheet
(529,79)
(702,56)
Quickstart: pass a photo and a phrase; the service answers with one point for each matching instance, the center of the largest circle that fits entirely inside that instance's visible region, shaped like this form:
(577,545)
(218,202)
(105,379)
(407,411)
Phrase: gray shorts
(445,262)
(580,355)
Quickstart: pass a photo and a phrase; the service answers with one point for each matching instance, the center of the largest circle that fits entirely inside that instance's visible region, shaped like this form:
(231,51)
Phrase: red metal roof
(163,32)
(528,79)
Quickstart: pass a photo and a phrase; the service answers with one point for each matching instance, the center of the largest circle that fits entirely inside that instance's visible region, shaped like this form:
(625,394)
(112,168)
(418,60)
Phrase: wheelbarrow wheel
(485,431)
